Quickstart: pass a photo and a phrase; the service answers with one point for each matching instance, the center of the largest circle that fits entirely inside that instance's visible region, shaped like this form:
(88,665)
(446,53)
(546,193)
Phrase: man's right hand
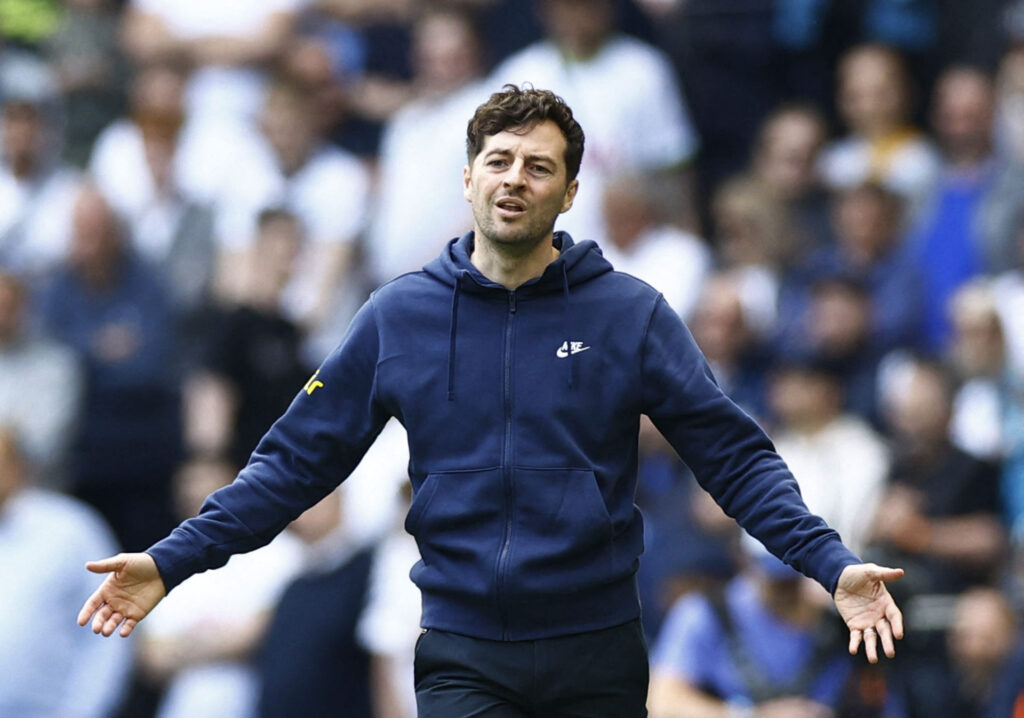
(127,595)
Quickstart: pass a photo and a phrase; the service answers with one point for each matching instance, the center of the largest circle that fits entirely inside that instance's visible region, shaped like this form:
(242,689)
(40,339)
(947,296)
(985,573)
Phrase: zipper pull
(512,302)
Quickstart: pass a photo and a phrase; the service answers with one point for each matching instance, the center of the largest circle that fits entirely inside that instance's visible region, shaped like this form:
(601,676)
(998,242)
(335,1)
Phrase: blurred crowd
(196,196)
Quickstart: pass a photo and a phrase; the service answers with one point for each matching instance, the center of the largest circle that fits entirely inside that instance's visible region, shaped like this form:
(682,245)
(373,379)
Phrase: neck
(507,266)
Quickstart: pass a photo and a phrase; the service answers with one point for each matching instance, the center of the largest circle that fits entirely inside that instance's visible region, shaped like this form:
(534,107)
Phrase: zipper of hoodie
(506,469)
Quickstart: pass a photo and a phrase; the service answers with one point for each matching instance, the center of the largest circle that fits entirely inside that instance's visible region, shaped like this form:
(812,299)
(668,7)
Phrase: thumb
(888,574)
(107,565)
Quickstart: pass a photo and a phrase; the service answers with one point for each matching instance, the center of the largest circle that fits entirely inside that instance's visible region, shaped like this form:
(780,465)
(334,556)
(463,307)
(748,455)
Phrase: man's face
(518,186)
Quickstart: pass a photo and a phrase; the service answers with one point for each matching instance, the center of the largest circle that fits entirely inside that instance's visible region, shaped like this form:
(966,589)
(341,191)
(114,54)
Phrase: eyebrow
(529,158)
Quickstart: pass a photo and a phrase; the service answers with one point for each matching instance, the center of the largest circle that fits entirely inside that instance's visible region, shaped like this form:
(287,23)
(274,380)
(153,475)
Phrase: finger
(128,627)
(89,607)
(871,646)
(112,623)
(895,618)
(101,617)
(114,563)
(854,641)
(885,635)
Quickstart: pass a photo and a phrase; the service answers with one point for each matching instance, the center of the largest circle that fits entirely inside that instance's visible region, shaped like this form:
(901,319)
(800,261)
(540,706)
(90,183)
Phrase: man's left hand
(868,609)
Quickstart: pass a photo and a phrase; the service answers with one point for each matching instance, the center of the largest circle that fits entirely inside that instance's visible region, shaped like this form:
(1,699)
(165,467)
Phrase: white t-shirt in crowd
(841,470)
(35,219)
(674,262)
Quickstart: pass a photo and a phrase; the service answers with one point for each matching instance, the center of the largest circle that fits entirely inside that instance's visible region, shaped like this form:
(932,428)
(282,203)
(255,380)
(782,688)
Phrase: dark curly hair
(513,107)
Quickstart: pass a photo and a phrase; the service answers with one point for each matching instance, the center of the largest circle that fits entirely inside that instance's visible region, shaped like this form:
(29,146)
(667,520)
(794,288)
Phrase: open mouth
(510,206)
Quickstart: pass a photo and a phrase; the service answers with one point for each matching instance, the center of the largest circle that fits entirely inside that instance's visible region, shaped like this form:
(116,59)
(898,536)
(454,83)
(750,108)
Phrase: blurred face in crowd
(750,225)
(628,210)
(95,240)
(157,97)
(719,326)
(963,114)
(277,247)
(787,154)
(803,398)
(12,302)
(978,345)
(22,138)
(289,126)
(840,319)
(866,222)
(446,53)
(518,184)
(873,92)
(579,27)
(983,632)
(919,409)
(197,479)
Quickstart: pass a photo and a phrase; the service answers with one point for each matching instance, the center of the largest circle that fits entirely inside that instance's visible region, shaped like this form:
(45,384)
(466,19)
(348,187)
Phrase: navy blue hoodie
(522,409)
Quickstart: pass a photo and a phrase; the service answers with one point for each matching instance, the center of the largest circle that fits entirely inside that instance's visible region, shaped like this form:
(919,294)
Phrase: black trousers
(600,674)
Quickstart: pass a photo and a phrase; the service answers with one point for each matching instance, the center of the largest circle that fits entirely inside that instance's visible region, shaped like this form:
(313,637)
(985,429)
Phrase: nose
(515,175)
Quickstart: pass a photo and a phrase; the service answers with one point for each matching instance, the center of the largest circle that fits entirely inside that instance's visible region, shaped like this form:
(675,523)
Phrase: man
(519,364)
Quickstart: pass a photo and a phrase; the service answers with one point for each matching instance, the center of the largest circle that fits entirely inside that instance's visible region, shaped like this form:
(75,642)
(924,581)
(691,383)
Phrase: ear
(466,173)
(570,195)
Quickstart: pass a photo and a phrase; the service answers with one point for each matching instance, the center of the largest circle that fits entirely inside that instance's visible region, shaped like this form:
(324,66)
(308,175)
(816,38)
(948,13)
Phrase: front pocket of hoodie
(562,534)
(458,519)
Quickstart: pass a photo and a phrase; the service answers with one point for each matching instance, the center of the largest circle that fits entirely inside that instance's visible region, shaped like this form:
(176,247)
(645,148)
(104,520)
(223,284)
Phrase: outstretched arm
(868,609)
(129,593)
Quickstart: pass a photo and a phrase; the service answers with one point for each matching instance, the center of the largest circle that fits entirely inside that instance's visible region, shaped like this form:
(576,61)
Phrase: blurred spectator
(111,309)
(754,239)
(37,192)
(326,188)
(785,159)
(941,515)
(310,663)
(985,635)
(252,369)
(49,666)
(840,332)
(840,463)
(870,252)
(765,646)
(874,97)
(967,223)
(621,90)
(40,386)
(230,44)
(202,638)
(420,203)
(978,354)
(643,242)
(138,165)
(85,53)
(200,168)
(722,329)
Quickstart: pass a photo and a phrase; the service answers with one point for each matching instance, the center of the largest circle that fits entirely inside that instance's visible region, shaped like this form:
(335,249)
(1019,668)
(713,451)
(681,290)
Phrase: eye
(541,169)
(496,163)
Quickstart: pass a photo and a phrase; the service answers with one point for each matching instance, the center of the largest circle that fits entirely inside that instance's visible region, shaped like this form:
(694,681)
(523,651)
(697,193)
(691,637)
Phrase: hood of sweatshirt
(576,263)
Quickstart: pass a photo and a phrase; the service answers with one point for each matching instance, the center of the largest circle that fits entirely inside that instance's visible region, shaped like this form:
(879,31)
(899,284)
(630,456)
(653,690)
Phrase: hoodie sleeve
(311,449)
(731,456)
